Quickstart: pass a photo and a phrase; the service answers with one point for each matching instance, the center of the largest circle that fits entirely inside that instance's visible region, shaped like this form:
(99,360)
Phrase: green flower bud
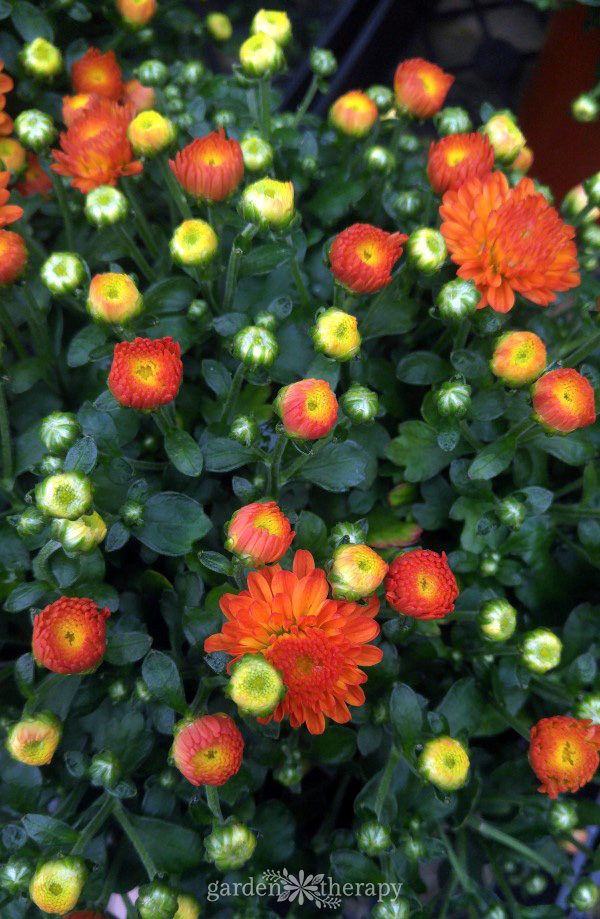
(50,464)
(382,96)
(590,236)
(535,884)
(497,620)
(495,912)
(541,650)
(373,838)
(15,875)
(105,206)
(172,91)
(289,775)
(489,564)
(35,129)
(229,846)
(589,707)
(562,816)
(591,188)
(257,153)
(407,203)
(57,884)
(153,73)
(360,404)
(392,909)
(198,311)
(457,300)
(59,431)
(452,120)
(512,512)
(244,430)
(224,118)
(413,848)
(68,495)
(585,108)
(309,166)
(192,72)
(219,26)
(142,692)
(505,137)
(453,399)
(255,347)
(268,203)
(132,513)
(323,62)
(145,36)
(167,779)
(273,23)
(381,714)
(63,273)
(379,160)
(31,522)
(426,250)
(335,334)
(346,532)
(261,56)
(81,535)
(266,320)
(41,59)
(408,143)
(255,686)
(584,895)
(156,901)
(105,770)
(118,691)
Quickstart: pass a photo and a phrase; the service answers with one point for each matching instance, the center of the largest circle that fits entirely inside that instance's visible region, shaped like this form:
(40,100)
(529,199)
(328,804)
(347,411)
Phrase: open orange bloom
(95,150)
(259,533)
(34,181)
(563,400)
(74,105)
(318,644)
(145,372)
(420,584)
(210,168)
(69,635)
(563,753)
(362,257)
(455,159)
(6,122)
(8,212)
(98,73)
(508,239)
(208,750)
(421,87)
(13,257)
(6,82)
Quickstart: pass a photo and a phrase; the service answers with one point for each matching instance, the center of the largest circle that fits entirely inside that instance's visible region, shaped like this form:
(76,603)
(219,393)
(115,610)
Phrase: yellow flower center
(146,371)
(269,521)
(369,253)
(456,155)
(428,82)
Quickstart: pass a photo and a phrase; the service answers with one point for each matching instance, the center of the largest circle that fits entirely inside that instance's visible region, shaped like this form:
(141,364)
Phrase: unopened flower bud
(192,72)
(407,203)
(142,692)
(194,243)
(379,160)
(156,901)
(219,26)
(118,691)
(336,334)
(591,187)
(356,571)
(585,108)
(505,137)
(290,774)
(59,431)
(408,143)
(392,909)
(67,495)
(257,153)
(33,740)
(261,56)
(188,907)
(255,347)
(590,237)
(244,430)
(63,273)
(523,161)
(266,320)
(402,494)
(382,96)
(105,770)
(453,399)
(576,201)
(445,763)
(35,129)
(15,875)
(589,707)
(224,118)
(426,250)
(105,206)
(114,298)
(268,203)
(452,120)
(57,884)
(275,24)
(255,686)
(323,62)
(31,522)
(495,912)
(81,535)
(198,311)
(229,846)
(360,404)
(50,464)
(153,73)
(132,513)
(512,512)
(13,158)
(497,620)
(373,838)
(541,650)
(150,133)
(562,816)
(413,848)
(41,59)
(489,564)
(353,114)
(457,300)
(584,895)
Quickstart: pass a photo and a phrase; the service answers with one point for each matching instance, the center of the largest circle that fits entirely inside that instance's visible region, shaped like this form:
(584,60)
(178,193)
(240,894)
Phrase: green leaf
(416,449)
(265,259)
(572,449)
(30,22)
(222,454)
(214,561)
(83,343)
(82,456)
(48,832)
(469,362)
(395,314)
(405,715)
(228,324)
(276,826)
(311,533)
(184,452)
(24,596)
(216,376)
(337,467)
(336,745)
(172,847)
(126,647)
(161,676)
(462,706)
(336,198)
(117,536)
(494,458)
(351,867)
(172,523)
(421,368)
(170,295)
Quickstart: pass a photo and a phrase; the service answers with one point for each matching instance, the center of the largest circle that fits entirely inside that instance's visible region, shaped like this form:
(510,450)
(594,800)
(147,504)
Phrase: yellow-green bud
(335,334)
(105,770)
(490,563)
(50,464)
(57,884)
(41,59)
(360,404)
(589,707)
(194,243)
(457,300)
(81,535)
(575,201)
(153,73)
(156,901)
(497,620)
(255,347)
(244,430)
(407,203)
(289,775)
(219,26)
(198,311)
(495,912)
(591,187)
(590,236)
(67,495)
(132,513)
(268,203)
(275,24)
(444,762)
(15,875)
(535,884)
(584,895)
(382,96)
(373,838)
(379,160)
(426,250)
(562,816)
(35,129)
(150,133)
(512,512)
(541,650)
(192,72)
(255,686)
(505,137)
(585,108)
(33,740)
(59,431)
(453,399)
(261,56)
(63,273)
(257,153)
(105,206)
(452,120)
(188,907)
(323,62)
(31,522)
(229,846)
(392,909)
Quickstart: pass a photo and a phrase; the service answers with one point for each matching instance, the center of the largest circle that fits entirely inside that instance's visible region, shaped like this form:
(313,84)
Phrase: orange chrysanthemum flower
(69,635)
(563,400)
(455,159)
(421,87)
(519,358)
(362,257)
(74,105)
(13,257)
(420,584)
(139,96)
(259,534)
(8,212)
(210,168)
(208,750)
(318,644)
(6,82)
(136,13)
(354,113)
(95,150)
(508,239)
(563,753)
(35,181)
(6,122)
(145,372)
(98,73)
(308,409)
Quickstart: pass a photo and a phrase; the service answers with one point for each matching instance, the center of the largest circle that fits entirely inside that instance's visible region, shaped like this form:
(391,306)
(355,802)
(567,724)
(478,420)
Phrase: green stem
(292,471)
(338,295)
(275,466)
(233,265)
(136,253)
(310,94)
(212,799)
(61,197)
(264,107)
(462,333)
(143,227)
(176,193)
(463,878)
(491,832)
(574,511)
(12,332)
(94,825)
(126,825)
(37,325)
(503,884)
(5,440)
(470,438)
(299,281)
(514,723)
(385,781)
(589,346)
(233,394)
(450,888)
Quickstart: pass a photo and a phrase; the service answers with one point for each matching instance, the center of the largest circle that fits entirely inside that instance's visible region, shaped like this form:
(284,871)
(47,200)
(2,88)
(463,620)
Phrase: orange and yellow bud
(13,257)
(219,26)
(194,242)
(563,753)
(56,885)
(420,584)
(362,257)
(114,298)
(187,907)
(455,159)
(69,635)
(523,161)
(13,156)
(308,409)
(353,114)
(34,739)
(97,73)
(137,13)
(207,750)
(210,168)
(519,358)
(444,762)
(150,132)
(259,534)
(336,334)
(420,87)
(563,400)
(139,96)
(505,137)
(74,105)
(145,372)
(356,571)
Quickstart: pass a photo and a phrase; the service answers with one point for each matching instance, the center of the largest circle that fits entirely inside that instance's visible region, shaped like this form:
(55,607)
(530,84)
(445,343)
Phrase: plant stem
(233,394)
(212,799)
(502,883)
(293,470)
(12,332)
(141,222)
(515,724)
(5,440)
(233,266)
(338,295)
(176,193)
(263,90)
(309,95)
(463,878)
(61,197)
(126,825)
(94,825)
(37,325)
(491,832)
(136,253)
(299,281)
(275,466)
(584,350)
(574,511)
(384,782)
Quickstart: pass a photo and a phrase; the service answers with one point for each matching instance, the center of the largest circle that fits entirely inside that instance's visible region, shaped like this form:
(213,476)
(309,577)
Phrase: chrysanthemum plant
(300,539)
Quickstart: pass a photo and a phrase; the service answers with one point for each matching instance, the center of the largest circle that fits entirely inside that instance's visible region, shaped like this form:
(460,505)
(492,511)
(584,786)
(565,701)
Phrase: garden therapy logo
(310,888)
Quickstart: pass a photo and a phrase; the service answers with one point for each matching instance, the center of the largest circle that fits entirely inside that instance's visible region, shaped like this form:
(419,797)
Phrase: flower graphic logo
(304,887)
